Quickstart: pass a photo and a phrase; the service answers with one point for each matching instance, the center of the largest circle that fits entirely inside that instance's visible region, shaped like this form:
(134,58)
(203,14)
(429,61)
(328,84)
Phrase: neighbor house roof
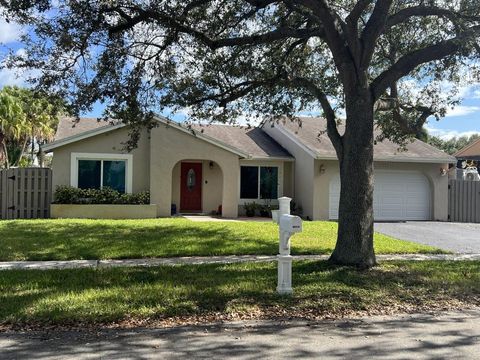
(310,132)
(472,150)
(246,142)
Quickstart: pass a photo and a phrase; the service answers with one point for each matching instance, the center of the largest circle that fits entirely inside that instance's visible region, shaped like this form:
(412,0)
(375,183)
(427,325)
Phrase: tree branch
(410,61)
(424,11)
(374,27)
(332,131)
(256,39)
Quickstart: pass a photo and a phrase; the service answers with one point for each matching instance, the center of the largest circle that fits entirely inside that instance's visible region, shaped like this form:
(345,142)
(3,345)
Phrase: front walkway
(209,218)
(197,260)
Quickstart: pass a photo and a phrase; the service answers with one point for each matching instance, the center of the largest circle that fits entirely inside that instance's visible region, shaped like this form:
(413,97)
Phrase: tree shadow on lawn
(105,295)
(78,240)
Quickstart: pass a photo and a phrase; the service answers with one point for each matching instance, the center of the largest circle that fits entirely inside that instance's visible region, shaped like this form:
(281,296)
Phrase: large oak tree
(384,63)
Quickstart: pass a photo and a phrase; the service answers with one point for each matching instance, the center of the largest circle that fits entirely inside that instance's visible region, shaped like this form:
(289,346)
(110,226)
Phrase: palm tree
(12,124)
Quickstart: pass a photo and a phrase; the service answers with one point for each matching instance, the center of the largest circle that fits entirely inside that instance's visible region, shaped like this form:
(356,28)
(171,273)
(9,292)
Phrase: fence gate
(25,193)
(464,201)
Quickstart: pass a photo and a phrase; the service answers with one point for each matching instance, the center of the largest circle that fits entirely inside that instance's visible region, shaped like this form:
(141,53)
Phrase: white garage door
(398,195)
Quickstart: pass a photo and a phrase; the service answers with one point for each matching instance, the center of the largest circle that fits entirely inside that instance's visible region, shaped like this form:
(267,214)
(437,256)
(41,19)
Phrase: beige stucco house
(205,168)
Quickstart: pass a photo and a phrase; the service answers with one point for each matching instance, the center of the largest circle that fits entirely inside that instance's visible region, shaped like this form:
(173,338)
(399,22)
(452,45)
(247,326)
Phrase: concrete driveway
(457,237)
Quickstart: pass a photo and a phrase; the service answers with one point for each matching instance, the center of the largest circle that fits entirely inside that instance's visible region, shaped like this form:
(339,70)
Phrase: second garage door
(398,195)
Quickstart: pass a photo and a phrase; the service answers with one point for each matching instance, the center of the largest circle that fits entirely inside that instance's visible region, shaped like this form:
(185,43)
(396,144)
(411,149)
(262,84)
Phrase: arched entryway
(197,187)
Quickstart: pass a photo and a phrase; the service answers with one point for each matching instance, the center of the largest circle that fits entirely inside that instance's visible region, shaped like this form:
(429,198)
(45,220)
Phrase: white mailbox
(290,223)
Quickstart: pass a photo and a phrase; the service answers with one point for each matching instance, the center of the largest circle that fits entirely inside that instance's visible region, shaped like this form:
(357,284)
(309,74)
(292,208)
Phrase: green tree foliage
(27,118)
(398,61)
(454,144)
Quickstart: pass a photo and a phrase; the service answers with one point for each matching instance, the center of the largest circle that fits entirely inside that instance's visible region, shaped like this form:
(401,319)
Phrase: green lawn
(232,291)
(116,239)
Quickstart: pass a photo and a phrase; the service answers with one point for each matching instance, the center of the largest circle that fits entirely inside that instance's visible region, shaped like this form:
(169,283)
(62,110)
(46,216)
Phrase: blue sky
(463,120)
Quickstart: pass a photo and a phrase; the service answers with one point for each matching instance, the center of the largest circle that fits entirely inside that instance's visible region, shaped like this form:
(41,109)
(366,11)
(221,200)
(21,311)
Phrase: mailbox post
(288,225)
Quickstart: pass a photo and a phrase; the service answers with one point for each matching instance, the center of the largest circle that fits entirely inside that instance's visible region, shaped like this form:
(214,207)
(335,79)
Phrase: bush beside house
(106,203)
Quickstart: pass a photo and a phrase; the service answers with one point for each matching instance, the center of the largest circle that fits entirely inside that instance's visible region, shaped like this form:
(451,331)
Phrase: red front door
(191,187)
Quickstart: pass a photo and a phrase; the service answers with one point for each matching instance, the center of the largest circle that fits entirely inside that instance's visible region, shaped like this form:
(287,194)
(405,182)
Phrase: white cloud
(9,31)
(462,110)
(15,76)
(11,77)
(447,134)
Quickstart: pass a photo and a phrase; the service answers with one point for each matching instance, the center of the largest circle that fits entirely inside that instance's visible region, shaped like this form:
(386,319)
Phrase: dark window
(89,174)
(114,175)
(268,182)
(249,182)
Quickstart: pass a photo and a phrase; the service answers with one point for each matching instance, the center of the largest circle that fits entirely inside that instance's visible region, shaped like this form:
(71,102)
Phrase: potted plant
(250,209)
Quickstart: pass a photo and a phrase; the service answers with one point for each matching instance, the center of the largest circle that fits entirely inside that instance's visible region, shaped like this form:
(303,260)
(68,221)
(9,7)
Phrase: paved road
(451,335)
(457,237)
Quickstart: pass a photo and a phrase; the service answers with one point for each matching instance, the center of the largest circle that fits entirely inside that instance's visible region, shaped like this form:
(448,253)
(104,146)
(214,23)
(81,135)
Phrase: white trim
(81,136)
(271,158)
(295,139)
(128,158)
(400,159)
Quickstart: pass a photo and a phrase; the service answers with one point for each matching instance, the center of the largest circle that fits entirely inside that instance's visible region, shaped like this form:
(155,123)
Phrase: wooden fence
(464,201)
(25,193)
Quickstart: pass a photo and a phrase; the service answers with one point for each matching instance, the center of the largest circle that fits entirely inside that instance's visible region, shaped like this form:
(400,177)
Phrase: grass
(116,239)
(231,291)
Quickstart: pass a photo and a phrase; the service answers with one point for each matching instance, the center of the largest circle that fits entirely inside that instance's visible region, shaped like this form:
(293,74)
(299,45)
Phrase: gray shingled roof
(69,126)
(253,141)
(309,132)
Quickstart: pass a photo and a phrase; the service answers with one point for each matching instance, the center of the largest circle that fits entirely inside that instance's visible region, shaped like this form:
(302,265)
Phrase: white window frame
(258,187)
(128,158)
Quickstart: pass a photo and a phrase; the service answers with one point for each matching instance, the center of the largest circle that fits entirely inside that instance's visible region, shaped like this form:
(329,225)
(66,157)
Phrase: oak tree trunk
(355,219)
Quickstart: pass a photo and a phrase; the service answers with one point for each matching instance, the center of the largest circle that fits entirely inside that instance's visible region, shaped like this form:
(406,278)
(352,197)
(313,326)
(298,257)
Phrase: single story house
(202,167)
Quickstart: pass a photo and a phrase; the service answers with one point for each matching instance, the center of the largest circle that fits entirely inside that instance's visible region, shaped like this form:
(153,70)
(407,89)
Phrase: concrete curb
(197,260)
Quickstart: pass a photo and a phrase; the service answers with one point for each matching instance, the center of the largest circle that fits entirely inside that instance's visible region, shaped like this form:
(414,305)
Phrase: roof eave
(425,160)
(84,135)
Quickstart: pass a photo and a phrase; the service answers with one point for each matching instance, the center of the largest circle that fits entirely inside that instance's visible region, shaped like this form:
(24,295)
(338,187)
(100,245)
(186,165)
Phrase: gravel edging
(197,260)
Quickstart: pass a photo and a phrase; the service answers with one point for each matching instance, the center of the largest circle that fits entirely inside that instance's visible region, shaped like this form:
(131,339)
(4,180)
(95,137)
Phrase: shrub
(71,195)
(250,208)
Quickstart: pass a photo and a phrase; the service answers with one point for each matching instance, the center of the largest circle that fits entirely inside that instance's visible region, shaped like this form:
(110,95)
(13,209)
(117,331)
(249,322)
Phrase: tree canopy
(220,60)
(451,146)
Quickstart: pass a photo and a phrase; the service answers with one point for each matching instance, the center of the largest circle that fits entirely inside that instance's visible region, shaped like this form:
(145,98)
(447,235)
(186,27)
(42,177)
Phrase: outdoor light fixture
(443,171)
(321,169)
(210,165)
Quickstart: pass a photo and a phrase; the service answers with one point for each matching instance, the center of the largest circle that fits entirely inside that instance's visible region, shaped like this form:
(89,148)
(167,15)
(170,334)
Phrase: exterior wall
(169,146)
(109,143)
(288,178)
(324,172)
(303,169)
(438,184)
(212,184)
